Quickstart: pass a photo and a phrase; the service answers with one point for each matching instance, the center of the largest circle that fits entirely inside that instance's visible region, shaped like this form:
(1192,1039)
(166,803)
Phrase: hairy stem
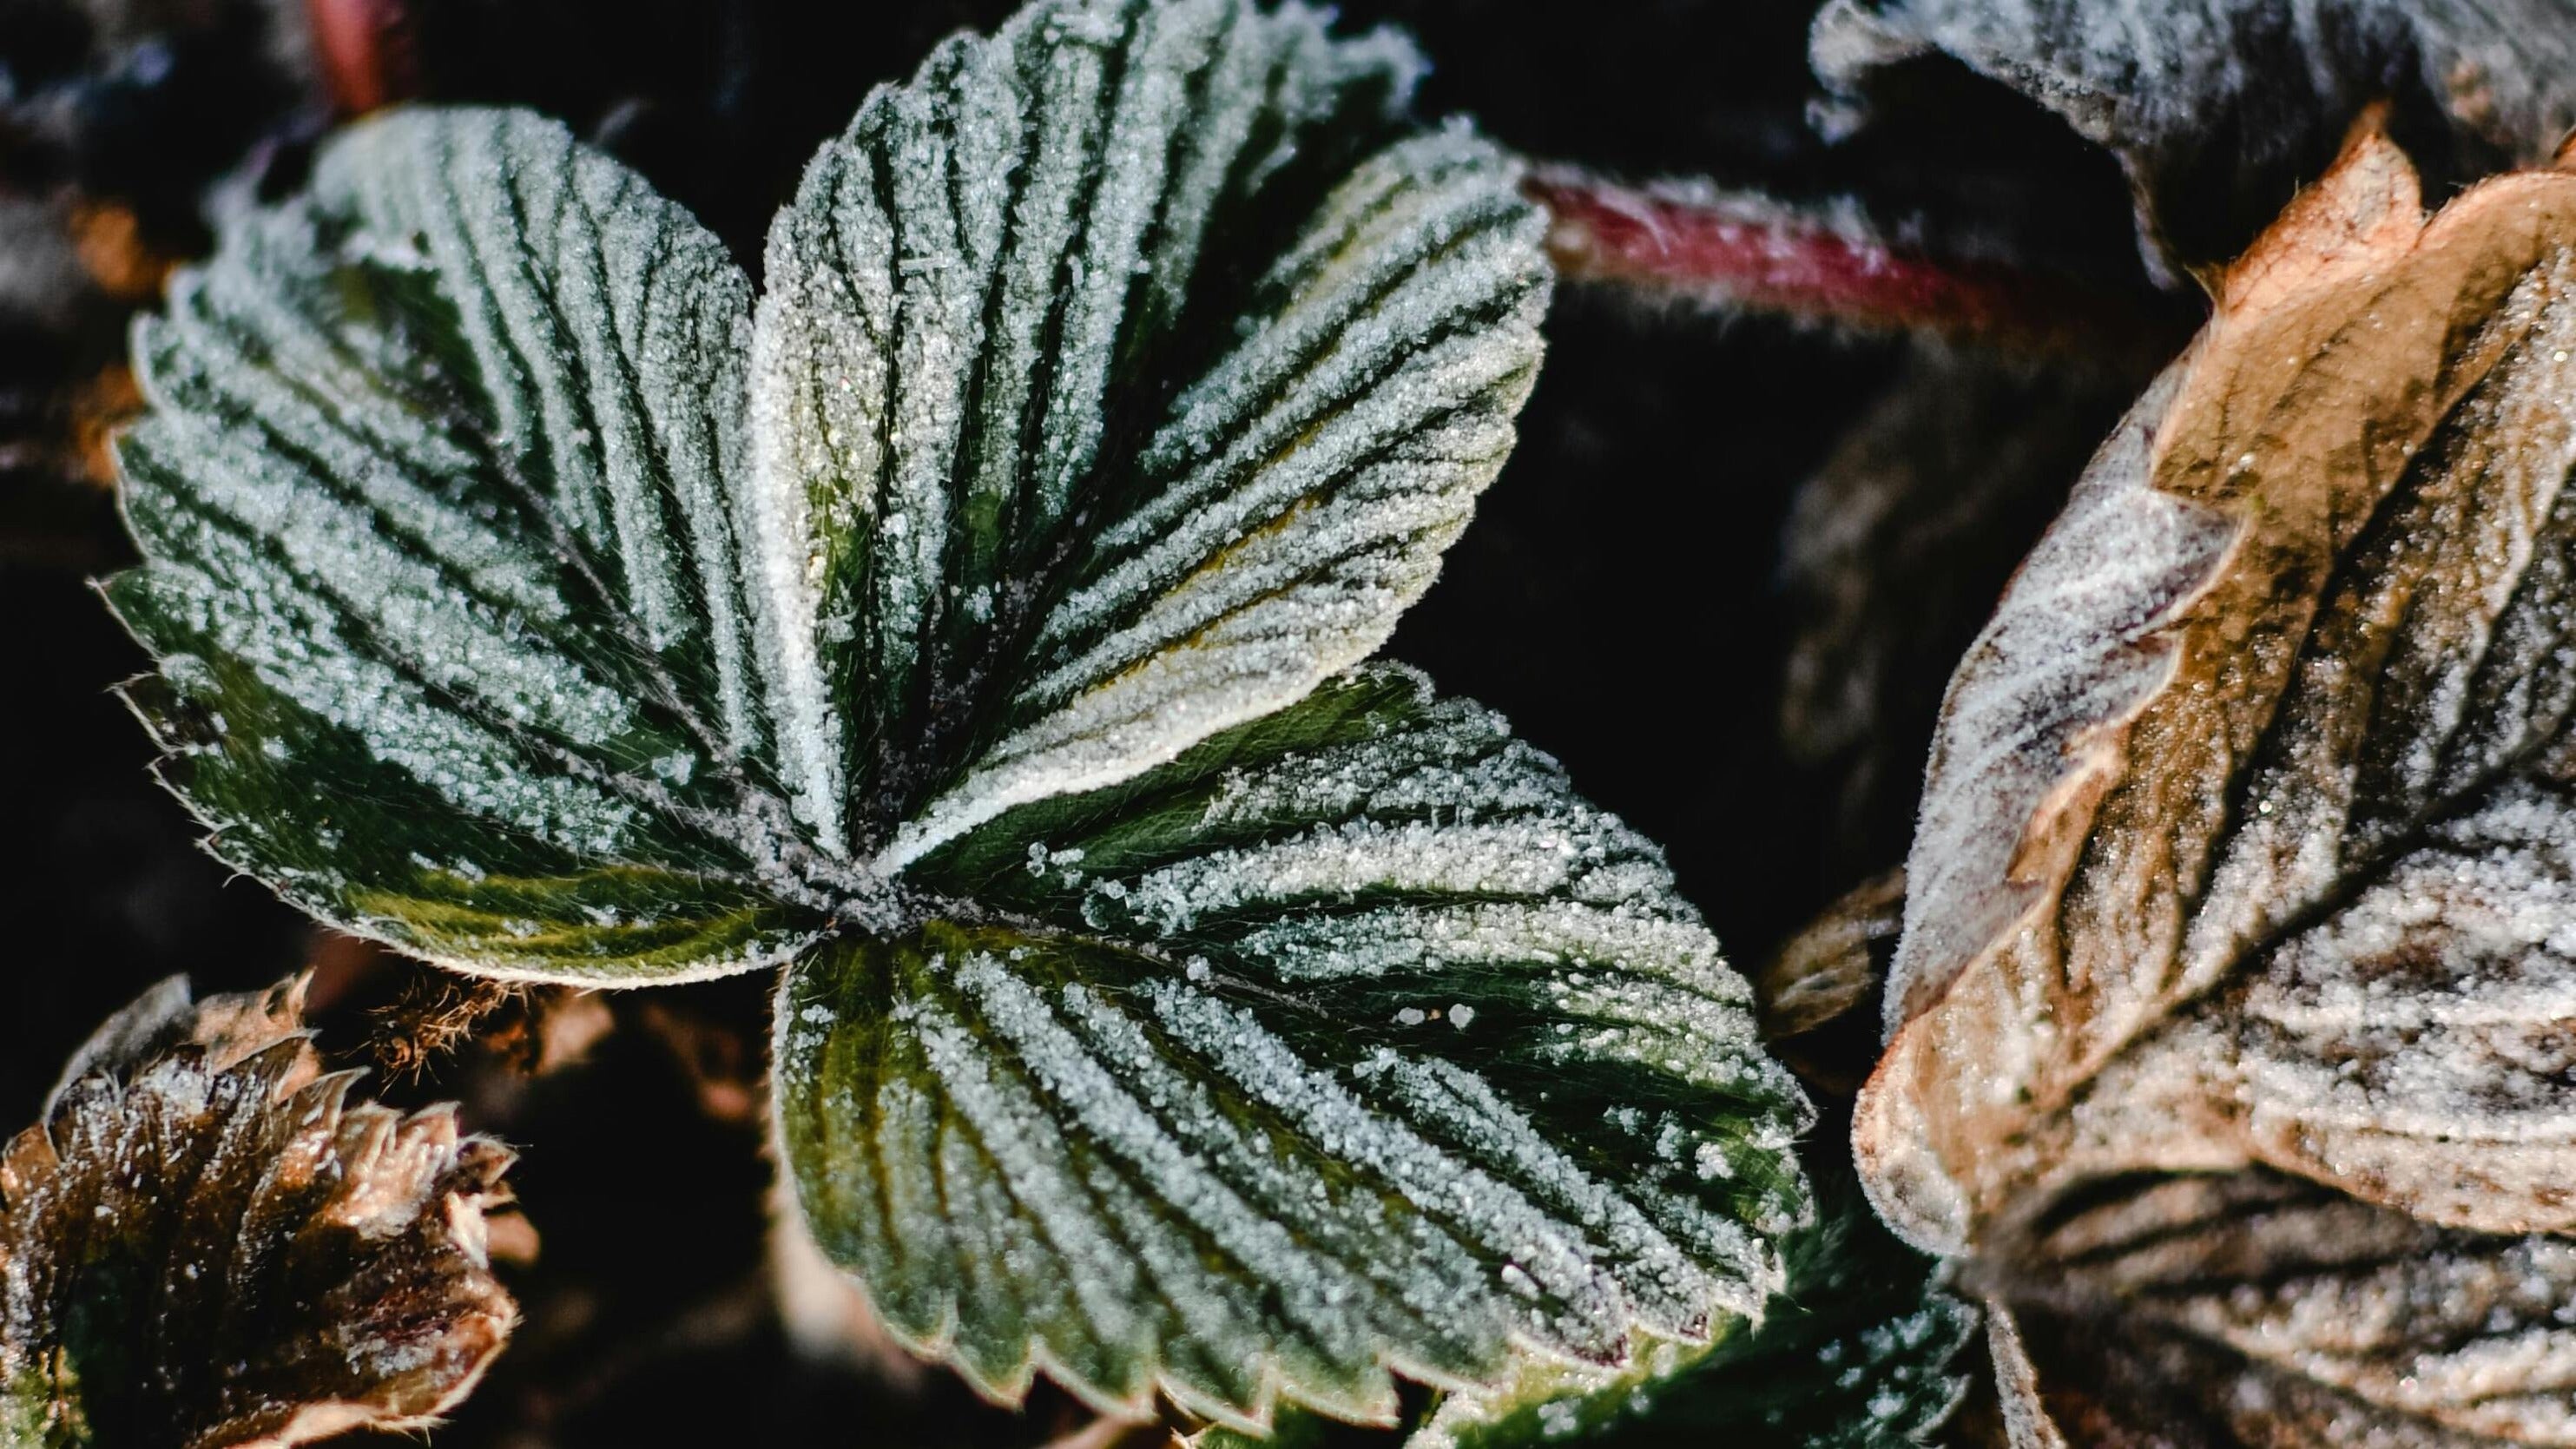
(1691,243)
(367,52)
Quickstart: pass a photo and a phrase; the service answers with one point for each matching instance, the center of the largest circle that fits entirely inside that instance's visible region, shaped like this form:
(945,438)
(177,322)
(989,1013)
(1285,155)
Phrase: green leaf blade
(603,326)
(440,563)
(1120,377)
(1282,1135)
(354,837)
(1862,1348)
(1298,497)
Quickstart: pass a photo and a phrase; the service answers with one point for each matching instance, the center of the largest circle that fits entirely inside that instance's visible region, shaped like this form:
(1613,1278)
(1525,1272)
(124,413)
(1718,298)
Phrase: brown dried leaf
(1830,967)
(2256,771)
(2248,852)
(1817,1002)
(2205,1312)
(205,1244)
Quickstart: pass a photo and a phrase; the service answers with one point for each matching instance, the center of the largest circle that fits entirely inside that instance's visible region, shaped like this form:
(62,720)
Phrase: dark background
(1620,596)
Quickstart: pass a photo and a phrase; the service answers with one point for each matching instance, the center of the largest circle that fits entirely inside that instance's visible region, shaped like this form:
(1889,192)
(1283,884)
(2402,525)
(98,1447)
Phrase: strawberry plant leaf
(1350,1040)
(2254,1308)
(1090,424)
(205,1243)
(440,565)
(1857,1351)
(974,619)
(2257,771)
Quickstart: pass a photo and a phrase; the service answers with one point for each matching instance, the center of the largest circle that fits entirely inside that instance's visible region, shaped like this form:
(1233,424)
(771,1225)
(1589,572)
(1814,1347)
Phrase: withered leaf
(205,1243)
(2249,841)
(2258,773)
(2217,109)
(1818,1001)
(1831,966)
(2252,1308)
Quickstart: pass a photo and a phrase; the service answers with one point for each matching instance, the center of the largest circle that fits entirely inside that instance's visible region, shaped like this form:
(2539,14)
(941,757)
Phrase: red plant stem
(1753,254)
(368,58)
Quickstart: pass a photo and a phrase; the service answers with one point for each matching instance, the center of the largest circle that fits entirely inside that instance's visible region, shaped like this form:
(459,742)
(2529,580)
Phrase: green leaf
(440,567)
(1196,1011)
(363,843)
(455,455)
(1858,1351)
(1350,1040)
(1091,422)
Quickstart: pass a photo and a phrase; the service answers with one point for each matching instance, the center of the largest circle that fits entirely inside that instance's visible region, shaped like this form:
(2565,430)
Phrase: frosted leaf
(1208,1118)
(2219,109)
(1857,1351)
(434,497)
(982,599)
(1119,377)
(2253,1309)
(205,1243)
(2244,829)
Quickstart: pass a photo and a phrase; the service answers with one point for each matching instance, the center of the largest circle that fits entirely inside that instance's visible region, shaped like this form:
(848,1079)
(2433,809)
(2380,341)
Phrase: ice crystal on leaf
(1857,1353)
(975,619)
(2229,1018)
(206,1244)
(1860,1348)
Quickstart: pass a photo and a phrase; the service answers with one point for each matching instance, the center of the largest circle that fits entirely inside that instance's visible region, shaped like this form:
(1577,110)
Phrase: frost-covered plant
(2228,1031)
(206,1243)
(973,624)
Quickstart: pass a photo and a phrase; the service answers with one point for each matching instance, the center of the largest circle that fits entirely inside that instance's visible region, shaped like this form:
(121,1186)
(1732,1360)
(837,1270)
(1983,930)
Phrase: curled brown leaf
(2252,1308)
(206,1243)
(1817,999)
(2289,662)
(2244,891)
